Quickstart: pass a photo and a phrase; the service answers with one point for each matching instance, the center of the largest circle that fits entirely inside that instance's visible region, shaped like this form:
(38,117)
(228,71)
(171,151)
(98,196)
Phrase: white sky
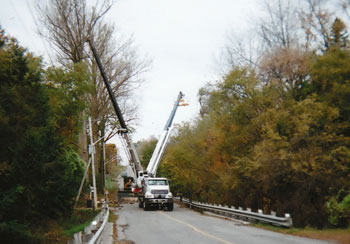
(182,38)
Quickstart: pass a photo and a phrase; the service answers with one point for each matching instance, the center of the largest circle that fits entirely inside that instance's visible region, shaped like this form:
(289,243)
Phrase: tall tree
(67,87)
(339,35)
(69,24)
(39,173)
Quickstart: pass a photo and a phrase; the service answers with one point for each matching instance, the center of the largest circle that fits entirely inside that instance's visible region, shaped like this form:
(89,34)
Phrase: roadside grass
(111,184)
(63,230)
(113,219)
(80,219)
(341,236)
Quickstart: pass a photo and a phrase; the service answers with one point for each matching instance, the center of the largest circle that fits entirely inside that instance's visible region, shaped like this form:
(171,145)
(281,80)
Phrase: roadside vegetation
(339,235)
(61,231)
(40,169)
(274,132)
(43,117)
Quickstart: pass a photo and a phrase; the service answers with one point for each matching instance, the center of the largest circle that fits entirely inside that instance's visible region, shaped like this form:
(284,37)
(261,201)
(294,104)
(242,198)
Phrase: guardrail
(92,232)
(241,214)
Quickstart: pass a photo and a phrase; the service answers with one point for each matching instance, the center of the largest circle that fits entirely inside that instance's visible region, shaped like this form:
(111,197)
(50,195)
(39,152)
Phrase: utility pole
(104,166)
(92,152)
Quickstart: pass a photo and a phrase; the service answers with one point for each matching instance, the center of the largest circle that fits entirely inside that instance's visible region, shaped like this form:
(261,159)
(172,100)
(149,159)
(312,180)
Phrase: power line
(42,39)
(23,24)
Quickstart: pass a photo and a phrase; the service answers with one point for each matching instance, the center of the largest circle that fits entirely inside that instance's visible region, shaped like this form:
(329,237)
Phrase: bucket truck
(156,191)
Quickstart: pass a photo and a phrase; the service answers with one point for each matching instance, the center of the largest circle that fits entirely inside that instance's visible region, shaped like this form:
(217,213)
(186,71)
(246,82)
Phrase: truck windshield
(158,182)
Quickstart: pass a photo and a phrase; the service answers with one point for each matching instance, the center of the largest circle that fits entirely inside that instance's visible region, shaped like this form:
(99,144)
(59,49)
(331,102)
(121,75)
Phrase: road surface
(184,226)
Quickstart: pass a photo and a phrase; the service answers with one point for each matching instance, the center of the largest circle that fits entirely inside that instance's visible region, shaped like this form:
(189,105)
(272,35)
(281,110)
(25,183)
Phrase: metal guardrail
(99,231)
(241,214)
(92,232)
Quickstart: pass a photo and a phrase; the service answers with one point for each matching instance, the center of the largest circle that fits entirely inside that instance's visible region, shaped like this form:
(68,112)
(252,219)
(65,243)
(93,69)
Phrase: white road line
(195,229)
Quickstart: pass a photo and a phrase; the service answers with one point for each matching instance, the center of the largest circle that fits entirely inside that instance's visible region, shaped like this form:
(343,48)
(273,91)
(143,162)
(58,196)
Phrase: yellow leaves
(340,158)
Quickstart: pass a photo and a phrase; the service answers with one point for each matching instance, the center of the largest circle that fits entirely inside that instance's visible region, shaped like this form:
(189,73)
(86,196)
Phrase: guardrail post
(87,229)
(77,238)
(288,219)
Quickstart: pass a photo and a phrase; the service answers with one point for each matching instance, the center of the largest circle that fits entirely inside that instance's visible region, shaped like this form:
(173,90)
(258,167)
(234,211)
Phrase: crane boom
(163,139)
(135,162)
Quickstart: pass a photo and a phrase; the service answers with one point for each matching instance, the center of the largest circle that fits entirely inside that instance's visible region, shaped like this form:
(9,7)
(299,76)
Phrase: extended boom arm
(135,162)
(163,139)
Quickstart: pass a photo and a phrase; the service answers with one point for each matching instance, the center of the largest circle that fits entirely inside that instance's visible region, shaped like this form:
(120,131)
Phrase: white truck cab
(156,193)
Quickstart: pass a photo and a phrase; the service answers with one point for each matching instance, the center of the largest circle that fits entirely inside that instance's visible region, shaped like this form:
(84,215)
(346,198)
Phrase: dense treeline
(275,136)
(40,170)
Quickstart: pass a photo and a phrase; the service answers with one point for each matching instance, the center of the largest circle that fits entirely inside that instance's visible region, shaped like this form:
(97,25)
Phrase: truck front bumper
(158,201)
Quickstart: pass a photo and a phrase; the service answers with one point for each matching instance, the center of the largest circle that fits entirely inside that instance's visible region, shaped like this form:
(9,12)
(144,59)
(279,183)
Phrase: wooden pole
(82,183)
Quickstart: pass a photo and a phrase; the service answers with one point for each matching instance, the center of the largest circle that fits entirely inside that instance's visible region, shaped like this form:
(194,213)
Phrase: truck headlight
(149,195)
(169,195)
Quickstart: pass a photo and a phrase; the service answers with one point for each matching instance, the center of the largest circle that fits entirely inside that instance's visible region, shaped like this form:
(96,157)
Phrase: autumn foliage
(274,137)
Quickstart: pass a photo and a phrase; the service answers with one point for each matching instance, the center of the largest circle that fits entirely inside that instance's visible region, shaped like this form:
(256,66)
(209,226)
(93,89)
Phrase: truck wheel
(145,207)
(170,206)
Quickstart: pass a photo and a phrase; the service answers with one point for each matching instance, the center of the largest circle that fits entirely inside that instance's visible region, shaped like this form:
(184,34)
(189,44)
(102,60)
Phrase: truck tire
(145,207)
(170,207)
(140,204)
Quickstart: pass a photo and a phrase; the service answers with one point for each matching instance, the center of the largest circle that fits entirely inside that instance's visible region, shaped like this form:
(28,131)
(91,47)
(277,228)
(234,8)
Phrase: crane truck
(134,161)
(151,191)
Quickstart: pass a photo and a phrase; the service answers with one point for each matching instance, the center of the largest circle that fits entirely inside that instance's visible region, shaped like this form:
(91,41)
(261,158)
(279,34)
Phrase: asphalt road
(183,226)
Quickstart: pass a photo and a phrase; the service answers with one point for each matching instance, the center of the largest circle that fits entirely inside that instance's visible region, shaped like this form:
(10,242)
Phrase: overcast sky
(183,38)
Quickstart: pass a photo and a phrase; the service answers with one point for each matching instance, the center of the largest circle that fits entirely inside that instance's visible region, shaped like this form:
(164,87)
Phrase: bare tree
(123,69)
(68,25)
(317,22)
(279,28)
(241,50)
(286,67)
(345,6)
(284,61)
(277,52)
